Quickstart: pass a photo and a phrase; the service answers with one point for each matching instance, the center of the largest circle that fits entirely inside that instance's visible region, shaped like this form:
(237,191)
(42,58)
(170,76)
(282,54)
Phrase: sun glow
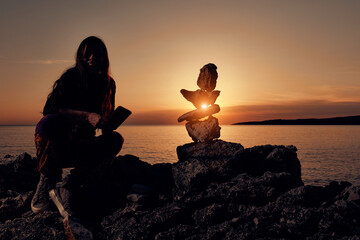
(205,106)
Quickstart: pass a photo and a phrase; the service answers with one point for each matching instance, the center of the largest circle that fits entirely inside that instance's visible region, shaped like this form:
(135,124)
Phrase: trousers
(57,148)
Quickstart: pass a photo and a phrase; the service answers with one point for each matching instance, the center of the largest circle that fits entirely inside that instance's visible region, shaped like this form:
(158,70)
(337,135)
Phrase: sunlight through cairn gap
(203,99)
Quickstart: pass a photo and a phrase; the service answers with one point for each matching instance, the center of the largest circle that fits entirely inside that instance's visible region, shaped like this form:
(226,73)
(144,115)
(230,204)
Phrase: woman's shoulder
(70,73)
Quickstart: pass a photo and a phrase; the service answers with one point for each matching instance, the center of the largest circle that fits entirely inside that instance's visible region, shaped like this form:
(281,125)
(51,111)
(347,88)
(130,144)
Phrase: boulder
(203,131)
(216,190)
(14,204)
(75,230)
(259,159)
(45,225)
(207,77)
(351,193)
(199,113)
(214,214)
(200,97)
(19,173)
(203,163)
(217,149)
(181,231)
(311,196)
(129,224)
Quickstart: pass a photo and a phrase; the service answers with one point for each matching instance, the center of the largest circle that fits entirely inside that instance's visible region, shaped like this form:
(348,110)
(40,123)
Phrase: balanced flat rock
(207,77)
(200,97)
(199,113)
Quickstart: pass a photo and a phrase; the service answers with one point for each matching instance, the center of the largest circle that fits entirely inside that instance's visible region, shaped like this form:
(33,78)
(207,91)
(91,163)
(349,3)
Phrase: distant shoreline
(349,120)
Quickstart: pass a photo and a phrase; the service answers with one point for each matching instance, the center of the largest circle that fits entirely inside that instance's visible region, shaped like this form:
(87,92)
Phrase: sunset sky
(275,59)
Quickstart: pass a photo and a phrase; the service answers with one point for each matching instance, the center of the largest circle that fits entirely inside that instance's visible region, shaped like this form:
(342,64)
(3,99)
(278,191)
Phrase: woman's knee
(115,140)
(49,126)
(118,140)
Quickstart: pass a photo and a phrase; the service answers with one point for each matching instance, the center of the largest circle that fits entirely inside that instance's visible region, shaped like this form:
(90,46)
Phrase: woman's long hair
(100,70)
(97,47)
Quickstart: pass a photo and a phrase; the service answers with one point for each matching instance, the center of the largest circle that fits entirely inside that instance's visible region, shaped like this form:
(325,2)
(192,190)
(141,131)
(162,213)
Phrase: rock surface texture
(207,77)
(199,97)
(217,190)
(199,113)
(204,100)
(204,131)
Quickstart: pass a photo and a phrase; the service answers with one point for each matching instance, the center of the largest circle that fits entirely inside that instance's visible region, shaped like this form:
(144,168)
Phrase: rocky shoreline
(216,190)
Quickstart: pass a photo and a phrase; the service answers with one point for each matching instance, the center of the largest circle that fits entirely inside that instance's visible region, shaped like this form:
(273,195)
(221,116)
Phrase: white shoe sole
(58,204)
(37,210)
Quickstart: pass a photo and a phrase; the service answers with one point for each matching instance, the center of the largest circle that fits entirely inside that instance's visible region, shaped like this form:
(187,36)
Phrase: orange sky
(276,59)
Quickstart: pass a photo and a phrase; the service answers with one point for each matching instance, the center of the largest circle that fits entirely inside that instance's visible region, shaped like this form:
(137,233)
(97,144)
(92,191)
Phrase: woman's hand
(93,118)
(75,115)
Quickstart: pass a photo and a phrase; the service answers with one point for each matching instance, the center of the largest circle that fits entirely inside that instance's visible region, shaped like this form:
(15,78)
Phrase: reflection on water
(15,140)
(326,152)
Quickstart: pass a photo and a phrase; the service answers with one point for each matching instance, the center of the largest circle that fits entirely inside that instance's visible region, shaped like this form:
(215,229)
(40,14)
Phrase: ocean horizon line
(340,120)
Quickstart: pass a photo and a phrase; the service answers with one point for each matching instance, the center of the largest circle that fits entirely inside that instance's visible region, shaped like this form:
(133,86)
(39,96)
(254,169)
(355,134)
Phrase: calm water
(326,152)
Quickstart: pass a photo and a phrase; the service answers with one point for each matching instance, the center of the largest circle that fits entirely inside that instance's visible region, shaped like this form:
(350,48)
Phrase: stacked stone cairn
(200,129)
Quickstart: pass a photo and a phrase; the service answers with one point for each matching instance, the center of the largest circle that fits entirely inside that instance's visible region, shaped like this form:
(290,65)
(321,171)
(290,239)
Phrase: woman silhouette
(79,102)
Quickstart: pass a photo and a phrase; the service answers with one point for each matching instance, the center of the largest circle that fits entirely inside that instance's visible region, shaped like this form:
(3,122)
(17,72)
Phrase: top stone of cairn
(207,77)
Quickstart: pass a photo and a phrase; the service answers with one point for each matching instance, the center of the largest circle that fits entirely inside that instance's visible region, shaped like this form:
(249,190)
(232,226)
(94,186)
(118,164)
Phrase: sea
(326,153)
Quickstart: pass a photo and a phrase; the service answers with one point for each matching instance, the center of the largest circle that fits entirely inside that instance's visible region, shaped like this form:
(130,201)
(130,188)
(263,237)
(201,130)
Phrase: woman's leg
(94,158)
(51,140)
(96,154)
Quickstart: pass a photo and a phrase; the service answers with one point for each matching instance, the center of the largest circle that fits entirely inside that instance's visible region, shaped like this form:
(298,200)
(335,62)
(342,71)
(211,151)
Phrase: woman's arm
(75,115)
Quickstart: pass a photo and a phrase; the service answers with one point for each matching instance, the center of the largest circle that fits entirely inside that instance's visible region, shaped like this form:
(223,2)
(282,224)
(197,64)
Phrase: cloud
(36,61)
(47,62)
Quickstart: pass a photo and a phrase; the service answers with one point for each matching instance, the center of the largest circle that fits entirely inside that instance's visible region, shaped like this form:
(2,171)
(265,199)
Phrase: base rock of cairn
(204,131)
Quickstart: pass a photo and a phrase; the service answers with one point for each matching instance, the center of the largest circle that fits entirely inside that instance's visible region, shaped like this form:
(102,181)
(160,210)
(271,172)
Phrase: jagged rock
(341,218)
(210,163)
(200,97)
(178,232)
(259,159)
(200,164)
(14,204)
(199,113)
(129,170)
(120,185)
(207,77)
(18,173)
(46,225)
(218,149)
(311,196)
(351,193)
(216,190)
(203,131)
(145,224)
(241,189)
(74,230)
(214,214)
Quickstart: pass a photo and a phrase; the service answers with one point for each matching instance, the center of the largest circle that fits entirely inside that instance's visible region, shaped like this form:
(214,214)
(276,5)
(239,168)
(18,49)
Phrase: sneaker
(40,201)
(62,199)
